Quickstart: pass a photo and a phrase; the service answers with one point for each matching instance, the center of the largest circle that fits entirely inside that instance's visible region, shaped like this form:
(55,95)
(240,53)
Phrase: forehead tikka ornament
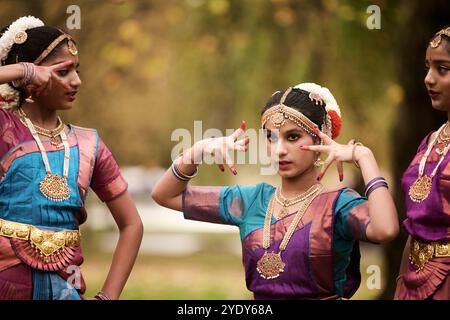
(280,113)
(438,37)
(72,47)
(70,44)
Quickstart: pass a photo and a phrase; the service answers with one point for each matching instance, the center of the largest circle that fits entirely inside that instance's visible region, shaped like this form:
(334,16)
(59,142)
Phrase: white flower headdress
(333,123)
(16,33)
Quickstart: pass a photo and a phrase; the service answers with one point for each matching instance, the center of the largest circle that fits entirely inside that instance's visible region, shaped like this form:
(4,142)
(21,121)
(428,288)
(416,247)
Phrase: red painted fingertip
(341,177)
(243,125)
(319,177)
(304,147)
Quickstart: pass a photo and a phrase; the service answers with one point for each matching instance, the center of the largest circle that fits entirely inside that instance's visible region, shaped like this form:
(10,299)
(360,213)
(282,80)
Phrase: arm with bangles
(169,189)
(383,226)
(37,79)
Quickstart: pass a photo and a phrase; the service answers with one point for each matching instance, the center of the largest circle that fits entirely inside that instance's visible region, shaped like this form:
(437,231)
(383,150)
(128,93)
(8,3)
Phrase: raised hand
(45,77)
(336,152)
(220,148)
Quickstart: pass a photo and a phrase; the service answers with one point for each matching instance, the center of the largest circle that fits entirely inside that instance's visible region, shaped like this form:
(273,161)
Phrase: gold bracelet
(353,153)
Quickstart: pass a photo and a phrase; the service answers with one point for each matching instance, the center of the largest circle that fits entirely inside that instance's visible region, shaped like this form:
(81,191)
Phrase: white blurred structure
(165,230)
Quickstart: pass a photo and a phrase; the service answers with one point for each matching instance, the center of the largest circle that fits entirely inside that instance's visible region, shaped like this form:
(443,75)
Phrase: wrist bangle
(374,184)
(101,296)
(180,175)
(353,153)
(28,73)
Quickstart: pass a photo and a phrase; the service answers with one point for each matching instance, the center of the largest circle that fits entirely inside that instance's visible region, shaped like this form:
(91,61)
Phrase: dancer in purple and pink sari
(299,240)
(425,267)
(46,168)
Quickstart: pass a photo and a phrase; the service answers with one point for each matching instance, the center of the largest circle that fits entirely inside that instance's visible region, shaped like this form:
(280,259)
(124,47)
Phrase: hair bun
(332,126)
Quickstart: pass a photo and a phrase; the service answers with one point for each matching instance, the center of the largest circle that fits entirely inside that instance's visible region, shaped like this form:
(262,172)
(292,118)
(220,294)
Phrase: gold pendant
(55,187)
(54,141)
(270,265)
(420,189)
(283,212)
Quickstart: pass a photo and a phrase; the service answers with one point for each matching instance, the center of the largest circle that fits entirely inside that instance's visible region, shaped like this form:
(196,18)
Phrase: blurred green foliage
(149,67)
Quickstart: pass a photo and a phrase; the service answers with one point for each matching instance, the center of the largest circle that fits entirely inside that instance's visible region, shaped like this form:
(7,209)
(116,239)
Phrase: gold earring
(29,99)
(318,162)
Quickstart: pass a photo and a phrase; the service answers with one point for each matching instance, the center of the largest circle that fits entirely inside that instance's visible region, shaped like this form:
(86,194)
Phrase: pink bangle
(101,296)
(29,71)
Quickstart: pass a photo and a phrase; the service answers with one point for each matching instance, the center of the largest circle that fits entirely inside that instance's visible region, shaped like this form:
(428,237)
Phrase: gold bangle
(353,153)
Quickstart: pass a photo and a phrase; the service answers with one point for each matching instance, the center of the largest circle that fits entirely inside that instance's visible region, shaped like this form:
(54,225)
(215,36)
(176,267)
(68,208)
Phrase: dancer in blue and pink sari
(299,240)
(46,168)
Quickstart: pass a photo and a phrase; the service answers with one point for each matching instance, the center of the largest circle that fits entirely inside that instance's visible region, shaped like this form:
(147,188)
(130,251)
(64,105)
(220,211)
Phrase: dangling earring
(29,99)
(318,162)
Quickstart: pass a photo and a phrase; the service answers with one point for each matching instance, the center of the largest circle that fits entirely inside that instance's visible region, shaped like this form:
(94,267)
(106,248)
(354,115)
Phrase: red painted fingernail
(304,147)
(319,177)
(234,171)
(243,125)
(341,177)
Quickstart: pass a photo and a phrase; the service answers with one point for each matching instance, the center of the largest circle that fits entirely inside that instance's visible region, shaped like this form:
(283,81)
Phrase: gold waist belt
(421,252)
(47,242)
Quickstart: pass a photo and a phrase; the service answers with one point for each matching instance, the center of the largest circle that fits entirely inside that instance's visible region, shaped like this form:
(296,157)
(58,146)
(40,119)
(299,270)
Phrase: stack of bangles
(180,175)
(29,71)
(375,184)
(101,296)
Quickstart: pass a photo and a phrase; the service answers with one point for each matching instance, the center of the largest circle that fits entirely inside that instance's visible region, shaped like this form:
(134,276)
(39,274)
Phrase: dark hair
(299,100)
(38,39)
(443,37)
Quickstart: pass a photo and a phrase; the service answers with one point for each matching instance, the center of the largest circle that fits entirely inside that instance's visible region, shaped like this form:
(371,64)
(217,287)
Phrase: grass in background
(204,275)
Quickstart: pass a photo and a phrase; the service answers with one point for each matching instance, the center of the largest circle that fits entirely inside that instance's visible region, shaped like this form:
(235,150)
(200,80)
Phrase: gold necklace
(286,203)
(54,187)
(444,138)
(271,264)
(421,188)
(52,134)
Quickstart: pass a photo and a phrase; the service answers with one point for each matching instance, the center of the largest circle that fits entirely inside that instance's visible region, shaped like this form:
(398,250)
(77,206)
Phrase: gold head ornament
(437,39)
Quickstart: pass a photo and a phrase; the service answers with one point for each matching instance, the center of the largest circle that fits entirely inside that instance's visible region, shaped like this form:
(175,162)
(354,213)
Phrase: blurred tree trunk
(415,117)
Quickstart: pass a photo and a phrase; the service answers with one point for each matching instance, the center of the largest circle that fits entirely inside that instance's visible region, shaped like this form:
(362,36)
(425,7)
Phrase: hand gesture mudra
(222,147)
(336,152)
(45,77)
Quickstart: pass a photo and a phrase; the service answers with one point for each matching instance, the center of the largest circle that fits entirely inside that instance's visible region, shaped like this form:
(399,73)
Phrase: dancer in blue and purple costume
(299,240)
(46,169)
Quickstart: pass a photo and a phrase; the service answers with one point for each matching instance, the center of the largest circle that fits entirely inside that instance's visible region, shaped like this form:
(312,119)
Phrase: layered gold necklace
(443,138)
(52,134)
(421,188)
(54,187)
(271,264)
(286,203)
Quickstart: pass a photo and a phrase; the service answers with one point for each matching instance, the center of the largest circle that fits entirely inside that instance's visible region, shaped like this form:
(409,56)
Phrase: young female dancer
(425,267)
(299,240)
(46,168)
